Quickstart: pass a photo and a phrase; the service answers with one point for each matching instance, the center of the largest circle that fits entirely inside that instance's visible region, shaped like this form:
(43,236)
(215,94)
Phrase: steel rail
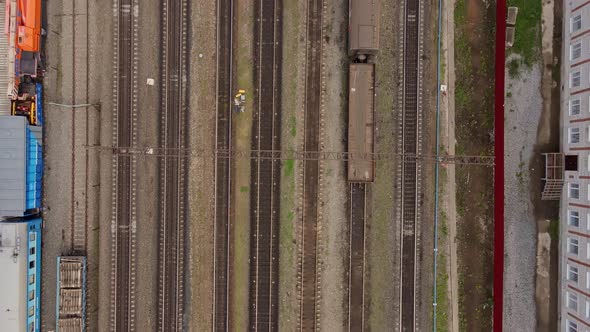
(124,133)
(357,262)
(221,226)
(266,173)
(172,212)
(308,257)
(410,185)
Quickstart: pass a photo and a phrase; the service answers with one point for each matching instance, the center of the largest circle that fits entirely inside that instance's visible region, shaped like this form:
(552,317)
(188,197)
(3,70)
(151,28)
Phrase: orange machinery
(24,36)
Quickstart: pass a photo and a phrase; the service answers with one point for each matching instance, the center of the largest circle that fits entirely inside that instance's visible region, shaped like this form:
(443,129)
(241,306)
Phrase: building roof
(21,166)
(4,63)
(12,165)
(13,265)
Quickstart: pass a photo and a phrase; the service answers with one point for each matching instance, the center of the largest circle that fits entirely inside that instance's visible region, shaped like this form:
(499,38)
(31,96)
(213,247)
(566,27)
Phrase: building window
(31,264)
(576,23)
(573,218)
(574,190)
(587,309)
(572,246)
(572,273)
(576,50)
(587,250)
(32,278)
(575,107)
(575,79)
(31,311)
(571,326)
(32,237)
(32,251)
(31,295)
(572,301)
(573,135)
(588,279)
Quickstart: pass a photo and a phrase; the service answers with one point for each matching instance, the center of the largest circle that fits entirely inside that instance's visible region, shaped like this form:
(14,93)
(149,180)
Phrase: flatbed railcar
(361,106)
(71,294)
(363,29)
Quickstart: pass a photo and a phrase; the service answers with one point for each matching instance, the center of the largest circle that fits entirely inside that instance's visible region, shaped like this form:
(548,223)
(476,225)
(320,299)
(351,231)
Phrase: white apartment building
(574,262)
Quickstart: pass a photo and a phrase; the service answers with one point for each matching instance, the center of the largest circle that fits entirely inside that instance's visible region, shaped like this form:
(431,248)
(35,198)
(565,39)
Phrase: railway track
(80,156)
(222,165)
(173,184)
(308,280)
(411,171)
(265,173)
(356,281)
(123,194)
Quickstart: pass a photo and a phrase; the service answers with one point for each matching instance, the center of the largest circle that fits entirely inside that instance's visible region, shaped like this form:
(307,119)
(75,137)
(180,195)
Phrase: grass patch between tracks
(381,276)
(474,101)
(442,277)
(287,249)
(288,167)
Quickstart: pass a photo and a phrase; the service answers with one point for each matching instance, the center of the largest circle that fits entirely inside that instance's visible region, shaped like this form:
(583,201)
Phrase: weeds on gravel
(521,176)
(442,68)
(462,95)
(460,12)
(442,290)
(462,318)
(554,230)
(513,68)
(293,125)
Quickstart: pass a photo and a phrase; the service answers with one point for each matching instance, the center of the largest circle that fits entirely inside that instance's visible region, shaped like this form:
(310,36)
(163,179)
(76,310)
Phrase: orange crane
(29,25)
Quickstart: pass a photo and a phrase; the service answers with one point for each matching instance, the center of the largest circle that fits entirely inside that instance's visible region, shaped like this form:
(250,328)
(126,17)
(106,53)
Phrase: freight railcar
(363,29)
(361,106)
(71,294)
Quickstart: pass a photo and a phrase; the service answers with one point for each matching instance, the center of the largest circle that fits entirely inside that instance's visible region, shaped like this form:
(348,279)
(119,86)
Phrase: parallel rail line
(411,172)
(223,182)
(173,184)
(356,281)
(123,192)
(265,174)
(308,278)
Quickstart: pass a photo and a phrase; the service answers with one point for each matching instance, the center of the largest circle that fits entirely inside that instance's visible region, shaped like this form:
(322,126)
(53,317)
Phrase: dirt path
(240,227)
(547,140)
(448,198)
(332,179)
(293,88)
(474,99)
(202,97)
